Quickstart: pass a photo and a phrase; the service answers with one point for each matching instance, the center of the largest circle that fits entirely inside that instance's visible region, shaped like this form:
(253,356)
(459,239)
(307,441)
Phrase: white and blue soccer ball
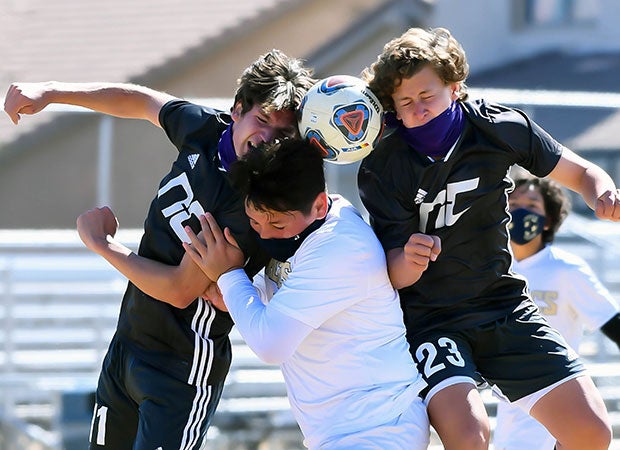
(342,116)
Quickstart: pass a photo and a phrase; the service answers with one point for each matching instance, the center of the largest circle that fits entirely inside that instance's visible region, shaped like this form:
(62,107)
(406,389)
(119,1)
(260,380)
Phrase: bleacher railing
(59,302)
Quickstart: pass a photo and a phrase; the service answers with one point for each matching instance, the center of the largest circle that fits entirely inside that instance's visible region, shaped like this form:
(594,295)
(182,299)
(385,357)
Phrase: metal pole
(104,161)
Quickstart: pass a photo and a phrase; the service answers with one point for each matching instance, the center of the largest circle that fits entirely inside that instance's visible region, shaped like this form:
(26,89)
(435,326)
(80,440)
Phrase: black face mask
(283,249)
(525,225)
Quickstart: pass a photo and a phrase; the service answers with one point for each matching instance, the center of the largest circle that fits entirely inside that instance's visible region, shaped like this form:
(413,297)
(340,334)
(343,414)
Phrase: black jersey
(463,200)
(192,343)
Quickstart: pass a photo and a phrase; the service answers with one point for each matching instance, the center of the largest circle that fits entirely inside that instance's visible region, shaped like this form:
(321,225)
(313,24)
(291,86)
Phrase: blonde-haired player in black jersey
(436,190)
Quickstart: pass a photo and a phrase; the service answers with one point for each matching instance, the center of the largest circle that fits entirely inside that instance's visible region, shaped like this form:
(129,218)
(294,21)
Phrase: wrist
(229,270)
(51,92)
(110,245)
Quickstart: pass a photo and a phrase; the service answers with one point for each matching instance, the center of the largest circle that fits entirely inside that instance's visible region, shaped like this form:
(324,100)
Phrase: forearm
(597,183)
(401,272)
(594,183)
(583,177)
(116,99)
(178,285)
(273,336)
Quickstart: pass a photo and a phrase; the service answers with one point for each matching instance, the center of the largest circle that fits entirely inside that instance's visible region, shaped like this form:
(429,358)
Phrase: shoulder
(180,106)
(341,211)
(499,123)
(553,261)
(182,113)
(482,111)
(390,150)
(345,231)
(514,132)
(391,169)
(563,257)
(191,125)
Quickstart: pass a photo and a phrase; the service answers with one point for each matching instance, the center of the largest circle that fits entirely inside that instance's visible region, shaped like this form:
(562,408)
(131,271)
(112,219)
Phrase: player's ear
(320,205)
(236,111)
(455,90)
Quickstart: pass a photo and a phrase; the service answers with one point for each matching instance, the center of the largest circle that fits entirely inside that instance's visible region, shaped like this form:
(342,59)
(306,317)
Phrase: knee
(459,416)
(593,435)
(471,436)
(475,440)
(598,435)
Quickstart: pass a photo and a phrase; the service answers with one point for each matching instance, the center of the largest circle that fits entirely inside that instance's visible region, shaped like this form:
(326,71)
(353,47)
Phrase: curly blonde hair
(406,55)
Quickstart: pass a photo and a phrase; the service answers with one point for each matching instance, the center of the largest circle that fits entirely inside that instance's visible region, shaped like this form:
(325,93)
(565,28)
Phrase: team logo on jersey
(183,207)
(192,159)
(547,301)
(447,207)
(419,197)
(278,271)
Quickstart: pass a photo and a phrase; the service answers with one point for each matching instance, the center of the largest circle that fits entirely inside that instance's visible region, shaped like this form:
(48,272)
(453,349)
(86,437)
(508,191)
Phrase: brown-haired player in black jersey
(436,190)
(164,372)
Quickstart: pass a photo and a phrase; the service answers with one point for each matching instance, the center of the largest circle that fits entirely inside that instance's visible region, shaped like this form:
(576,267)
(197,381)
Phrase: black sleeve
(511,129)
(188,124)
(385,187)
(611,329)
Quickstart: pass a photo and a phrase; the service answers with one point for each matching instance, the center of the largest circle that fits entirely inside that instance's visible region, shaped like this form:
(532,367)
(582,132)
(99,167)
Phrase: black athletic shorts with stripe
(151,410)
(520,354)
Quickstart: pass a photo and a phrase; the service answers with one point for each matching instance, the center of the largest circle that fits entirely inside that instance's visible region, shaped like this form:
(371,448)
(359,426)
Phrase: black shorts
(138,407)
(520,354)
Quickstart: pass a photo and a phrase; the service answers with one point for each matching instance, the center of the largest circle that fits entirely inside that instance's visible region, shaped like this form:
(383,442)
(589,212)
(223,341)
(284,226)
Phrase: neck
(521,252)
(226,147)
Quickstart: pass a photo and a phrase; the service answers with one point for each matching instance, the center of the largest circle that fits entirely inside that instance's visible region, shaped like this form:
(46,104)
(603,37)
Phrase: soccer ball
(342,116)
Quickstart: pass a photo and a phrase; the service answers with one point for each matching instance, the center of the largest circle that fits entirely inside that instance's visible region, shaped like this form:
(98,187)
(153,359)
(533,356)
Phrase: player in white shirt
(329,315)
(564,287)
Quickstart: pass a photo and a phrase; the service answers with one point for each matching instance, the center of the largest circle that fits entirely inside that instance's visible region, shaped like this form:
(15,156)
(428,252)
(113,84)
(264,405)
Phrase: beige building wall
(48,182)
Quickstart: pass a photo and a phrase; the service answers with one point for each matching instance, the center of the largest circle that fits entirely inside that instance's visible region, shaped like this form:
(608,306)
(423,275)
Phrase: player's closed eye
(285,134)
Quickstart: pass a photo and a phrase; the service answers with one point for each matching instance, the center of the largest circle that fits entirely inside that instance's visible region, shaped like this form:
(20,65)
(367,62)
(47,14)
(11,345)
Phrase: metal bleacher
(58,309)
(58,312)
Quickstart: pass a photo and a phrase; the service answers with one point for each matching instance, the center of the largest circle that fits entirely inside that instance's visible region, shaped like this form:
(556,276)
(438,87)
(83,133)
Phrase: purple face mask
(226,148)
(436,137)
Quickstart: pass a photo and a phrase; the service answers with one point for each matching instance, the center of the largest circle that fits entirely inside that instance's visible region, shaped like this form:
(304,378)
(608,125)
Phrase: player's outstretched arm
(116,99)
(177,285)
(590,181)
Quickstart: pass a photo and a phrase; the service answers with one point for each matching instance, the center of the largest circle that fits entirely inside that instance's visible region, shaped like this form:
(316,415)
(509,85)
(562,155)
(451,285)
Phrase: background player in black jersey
(164,371)
(436,190)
